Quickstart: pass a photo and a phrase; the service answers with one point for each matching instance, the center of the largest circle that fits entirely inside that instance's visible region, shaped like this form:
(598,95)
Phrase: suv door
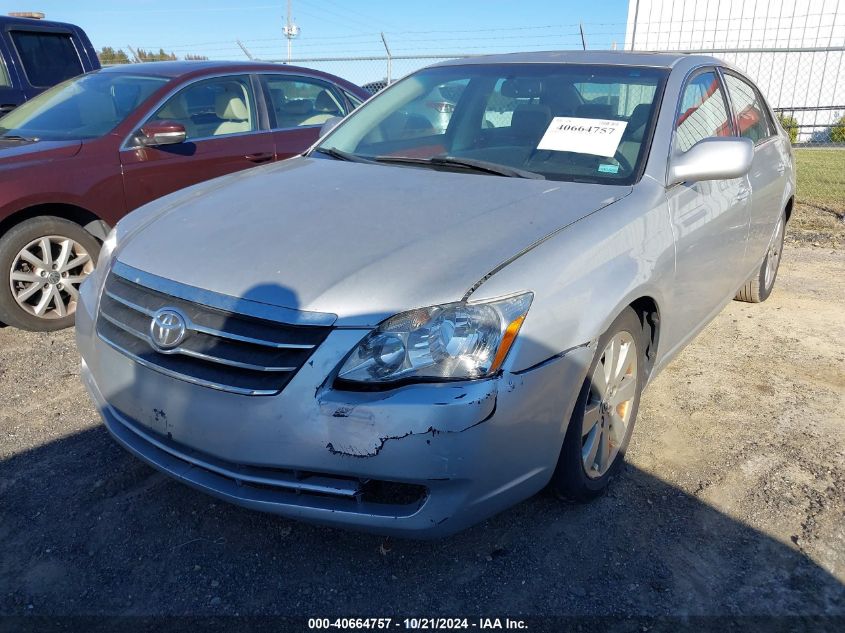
(11,94)
(225,133)
(709,218)
(298,106)
(767,174)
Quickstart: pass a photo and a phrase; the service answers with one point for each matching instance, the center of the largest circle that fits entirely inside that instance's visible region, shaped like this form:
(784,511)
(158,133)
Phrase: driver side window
(703,113)
(212,107)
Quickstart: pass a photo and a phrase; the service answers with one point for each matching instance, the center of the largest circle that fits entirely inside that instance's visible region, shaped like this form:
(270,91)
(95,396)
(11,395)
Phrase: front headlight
(455,341)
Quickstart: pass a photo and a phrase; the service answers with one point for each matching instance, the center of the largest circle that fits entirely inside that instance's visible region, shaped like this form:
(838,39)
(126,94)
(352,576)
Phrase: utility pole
(291,30)
(134,54)
(389,59)
(245,50)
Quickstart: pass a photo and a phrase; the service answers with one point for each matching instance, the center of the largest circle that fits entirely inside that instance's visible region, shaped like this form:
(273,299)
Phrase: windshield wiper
(340,155)
(468,163)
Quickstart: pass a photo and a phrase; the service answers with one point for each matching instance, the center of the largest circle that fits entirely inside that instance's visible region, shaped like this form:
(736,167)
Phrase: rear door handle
(6,108)
(781,168)
(743,195)
(260,157)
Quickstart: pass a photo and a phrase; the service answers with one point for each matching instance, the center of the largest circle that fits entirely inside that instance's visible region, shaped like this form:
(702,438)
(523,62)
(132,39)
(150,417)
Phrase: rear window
(47,58)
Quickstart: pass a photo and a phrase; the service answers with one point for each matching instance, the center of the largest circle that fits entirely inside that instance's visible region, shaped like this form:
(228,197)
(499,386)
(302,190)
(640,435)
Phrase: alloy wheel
(46,274)
(609,405)
(773,256)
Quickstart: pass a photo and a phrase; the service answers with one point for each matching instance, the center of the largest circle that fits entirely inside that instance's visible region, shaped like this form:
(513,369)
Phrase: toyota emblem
(167,329)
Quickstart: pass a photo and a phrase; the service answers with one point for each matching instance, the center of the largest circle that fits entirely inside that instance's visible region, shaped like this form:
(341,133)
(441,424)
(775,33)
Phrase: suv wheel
(42,263)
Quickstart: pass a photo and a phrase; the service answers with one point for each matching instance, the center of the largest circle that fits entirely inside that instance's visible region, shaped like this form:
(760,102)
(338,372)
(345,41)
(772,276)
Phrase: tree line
(109,55)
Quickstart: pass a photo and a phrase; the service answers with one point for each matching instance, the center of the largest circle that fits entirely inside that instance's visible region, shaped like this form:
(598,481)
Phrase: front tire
(760,286)
(42,263)
(604,415)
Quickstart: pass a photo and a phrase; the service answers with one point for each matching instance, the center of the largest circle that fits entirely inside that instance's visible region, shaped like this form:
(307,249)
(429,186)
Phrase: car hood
(14,153)
(356,240)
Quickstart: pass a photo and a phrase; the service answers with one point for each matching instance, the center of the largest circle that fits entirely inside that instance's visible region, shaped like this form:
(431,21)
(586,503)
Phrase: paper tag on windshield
(583,136)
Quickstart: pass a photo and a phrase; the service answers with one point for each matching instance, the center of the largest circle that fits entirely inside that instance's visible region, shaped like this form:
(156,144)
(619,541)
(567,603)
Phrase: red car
(77,158)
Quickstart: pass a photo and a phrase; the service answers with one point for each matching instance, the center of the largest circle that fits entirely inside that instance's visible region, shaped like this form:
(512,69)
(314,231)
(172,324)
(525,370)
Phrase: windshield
(576,122)
(85,107)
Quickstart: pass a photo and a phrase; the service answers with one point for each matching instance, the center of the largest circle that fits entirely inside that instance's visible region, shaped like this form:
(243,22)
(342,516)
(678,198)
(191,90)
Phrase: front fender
(586,275)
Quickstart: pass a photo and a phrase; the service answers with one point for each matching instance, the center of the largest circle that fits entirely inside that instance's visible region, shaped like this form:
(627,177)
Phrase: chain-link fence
(793,50)
(805,86)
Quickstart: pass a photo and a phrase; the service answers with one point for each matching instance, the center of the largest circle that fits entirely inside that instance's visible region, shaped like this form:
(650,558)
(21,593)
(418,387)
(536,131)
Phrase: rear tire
(42,263)
(760,286)
(604,415)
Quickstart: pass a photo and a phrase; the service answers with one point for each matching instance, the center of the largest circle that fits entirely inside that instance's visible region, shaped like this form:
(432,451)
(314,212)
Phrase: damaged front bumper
(418,461)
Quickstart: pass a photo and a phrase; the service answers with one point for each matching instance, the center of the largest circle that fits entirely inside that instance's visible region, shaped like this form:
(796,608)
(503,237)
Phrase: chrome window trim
(227,303)
(125,145)
(126,141)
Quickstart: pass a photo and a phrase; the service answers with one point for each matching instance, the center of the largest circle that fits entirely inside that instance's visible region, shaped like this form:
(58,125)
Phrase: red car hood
(15,153)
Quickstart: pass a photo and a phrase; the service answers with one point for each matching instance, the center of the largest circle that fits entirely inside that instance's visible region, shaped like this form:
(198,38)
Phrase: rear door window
(300,101)
(47,58)
(751,116)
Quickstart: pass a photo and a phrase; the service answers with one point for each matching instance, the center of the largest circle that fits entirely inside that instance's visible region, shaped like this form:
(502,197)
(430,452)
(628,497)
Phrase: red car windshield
(85,107)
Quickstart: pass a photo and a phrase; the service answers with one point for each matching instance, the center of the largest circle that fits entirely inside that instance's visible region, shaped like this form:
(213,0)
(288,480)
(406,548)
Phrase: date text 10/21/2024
(417,624)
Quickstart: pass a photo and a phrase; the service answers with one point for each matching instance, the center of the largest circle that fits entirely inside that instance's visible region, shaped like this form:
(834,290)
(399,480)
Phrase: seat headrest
(230,105)
(278,95)
(636,122)
(531,121)
(325,103)
(594,111)
(297,106)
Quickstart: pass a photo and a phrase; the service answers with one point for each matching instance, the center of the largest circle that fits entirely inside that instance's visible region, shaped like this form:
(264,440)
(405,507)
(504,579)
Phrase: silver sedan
(409,329)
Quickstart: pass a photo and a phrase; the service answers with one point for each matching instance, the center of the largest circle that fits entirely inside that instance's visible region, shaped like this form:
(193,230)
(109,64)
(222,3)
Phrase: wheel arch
(790,203)
(648,312)
(88,220)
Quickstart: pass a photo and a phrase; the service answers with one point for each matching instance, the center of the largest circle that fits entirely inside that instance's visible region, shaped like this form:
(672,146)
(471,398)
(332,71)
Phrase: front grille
(223,350)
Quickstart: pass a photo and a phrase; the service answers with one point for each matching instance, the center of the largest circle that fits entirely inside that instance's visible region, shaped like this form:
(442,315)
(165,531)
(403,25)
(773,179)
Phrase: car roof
(612,58)
(14,20)
(180,68)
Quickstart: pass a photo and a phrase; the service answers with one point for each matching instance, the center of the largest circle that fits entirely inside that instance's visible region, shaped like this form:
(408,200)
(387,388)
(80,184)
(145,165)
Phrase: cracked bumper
(475,447)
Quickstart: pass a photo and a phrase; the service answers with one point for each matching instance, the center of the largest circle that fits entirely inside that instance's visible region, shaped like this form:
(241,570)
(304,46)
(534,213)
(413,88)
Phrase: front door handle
(7,107)
(781,168)
(260,157)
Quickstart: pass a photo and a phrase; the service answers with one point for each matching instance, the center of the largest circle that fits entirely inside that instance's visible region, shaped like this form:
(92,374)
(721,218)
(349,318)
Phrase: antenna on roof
(291,30)
(583,39)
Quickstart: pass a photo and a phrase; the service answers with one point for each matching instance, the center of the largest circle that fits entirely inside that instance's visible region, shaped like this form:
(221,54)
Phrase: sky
(332,28)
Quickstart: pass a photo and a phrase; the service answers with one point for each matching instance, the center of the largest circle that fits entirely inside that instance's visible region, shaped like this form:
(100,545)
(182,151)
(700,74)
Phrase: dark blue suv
(36,54)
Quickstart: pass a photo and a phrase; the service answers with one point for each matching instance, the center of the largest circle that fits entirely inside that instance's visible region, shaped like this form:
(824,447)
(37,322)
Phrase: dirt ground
(732,500)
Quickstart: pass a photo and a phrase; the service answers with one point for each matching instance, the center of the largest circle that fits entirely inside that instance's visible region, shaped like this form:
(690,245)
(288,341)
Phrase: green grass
(821,177)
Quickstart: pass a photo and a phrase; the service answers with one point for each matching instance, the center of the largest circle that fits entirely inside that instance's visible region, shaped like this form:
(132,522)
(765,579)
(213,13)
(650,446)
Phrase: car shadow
(89,529)
(86,528)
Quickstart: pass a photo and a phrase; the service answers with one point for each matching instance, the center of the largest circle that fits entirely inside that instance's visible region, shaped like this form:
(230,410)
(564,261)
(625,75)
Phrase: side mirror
(330,124)
(162,133)
(717,158)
